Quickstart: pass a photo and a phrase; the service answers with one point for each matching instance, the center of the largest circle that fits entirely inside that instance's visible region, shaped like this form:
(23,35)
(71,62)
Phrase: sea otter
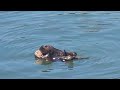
(50,53)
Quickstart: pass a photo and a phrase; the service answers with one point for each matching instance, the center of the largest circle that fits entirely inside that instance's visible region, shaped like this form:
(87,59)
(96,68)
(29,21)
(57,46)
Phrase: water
(93,34)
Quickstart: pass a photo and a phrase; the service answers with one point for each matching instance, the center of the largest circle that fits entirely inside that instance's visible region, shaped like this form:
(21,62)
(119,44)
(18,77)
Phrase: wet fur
(54,52)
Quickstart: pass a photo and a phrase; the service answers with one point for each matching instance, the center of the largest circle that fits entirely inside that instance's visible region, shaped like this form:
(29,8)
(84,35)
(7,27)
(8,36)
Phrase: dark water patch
(45,71)
(60,14)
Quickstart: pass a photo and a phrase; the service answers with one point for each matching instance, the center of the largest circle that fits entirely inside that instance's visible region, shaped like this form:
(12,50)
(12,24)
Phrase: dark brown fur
(54,52)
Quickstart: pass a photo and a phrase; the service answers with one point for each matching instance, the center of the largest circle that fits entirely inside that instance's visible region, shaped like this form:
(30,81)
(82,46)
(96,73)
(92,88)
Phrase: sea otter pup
(50,53)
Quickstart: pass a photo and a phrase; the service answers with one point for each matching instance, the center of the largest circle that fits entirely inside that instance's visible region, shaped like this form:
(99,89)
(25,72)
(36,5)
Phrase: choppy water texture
(94,34)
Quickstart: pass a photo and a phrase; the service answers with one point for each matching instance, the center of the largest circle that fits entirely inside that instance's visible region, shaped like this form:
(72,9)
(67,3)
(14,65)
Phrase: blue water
(93,34)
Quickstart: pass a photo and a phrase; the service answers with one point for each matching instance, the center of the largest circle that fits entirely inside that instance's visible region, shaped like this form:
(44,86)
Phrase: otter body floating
(49,53)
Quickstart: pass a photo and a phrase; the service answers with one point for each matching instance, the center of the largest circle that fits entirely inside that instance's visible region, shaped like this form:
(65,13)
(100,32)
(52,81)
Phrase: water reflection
(69,64)
(48,64)
(42,62)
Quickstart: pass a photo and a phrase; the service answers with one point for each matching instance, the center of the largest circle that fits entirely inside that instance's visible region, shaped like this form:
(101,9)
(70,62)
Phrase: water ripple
(91,34)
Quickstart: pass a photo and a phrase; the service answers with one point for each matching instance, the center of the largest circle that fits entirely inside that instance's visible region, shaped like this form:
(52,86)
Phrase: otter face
(45,49)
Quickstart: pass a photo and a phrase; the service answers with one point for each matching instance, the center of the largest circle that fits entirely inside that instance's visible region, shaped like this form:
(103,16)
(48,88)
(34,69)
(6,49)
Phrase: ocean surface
(93,34)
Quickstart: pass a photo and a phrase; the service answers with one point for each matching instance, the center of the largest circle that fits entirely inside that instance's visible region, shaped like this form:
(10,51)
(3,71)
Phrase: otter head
(46,49)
